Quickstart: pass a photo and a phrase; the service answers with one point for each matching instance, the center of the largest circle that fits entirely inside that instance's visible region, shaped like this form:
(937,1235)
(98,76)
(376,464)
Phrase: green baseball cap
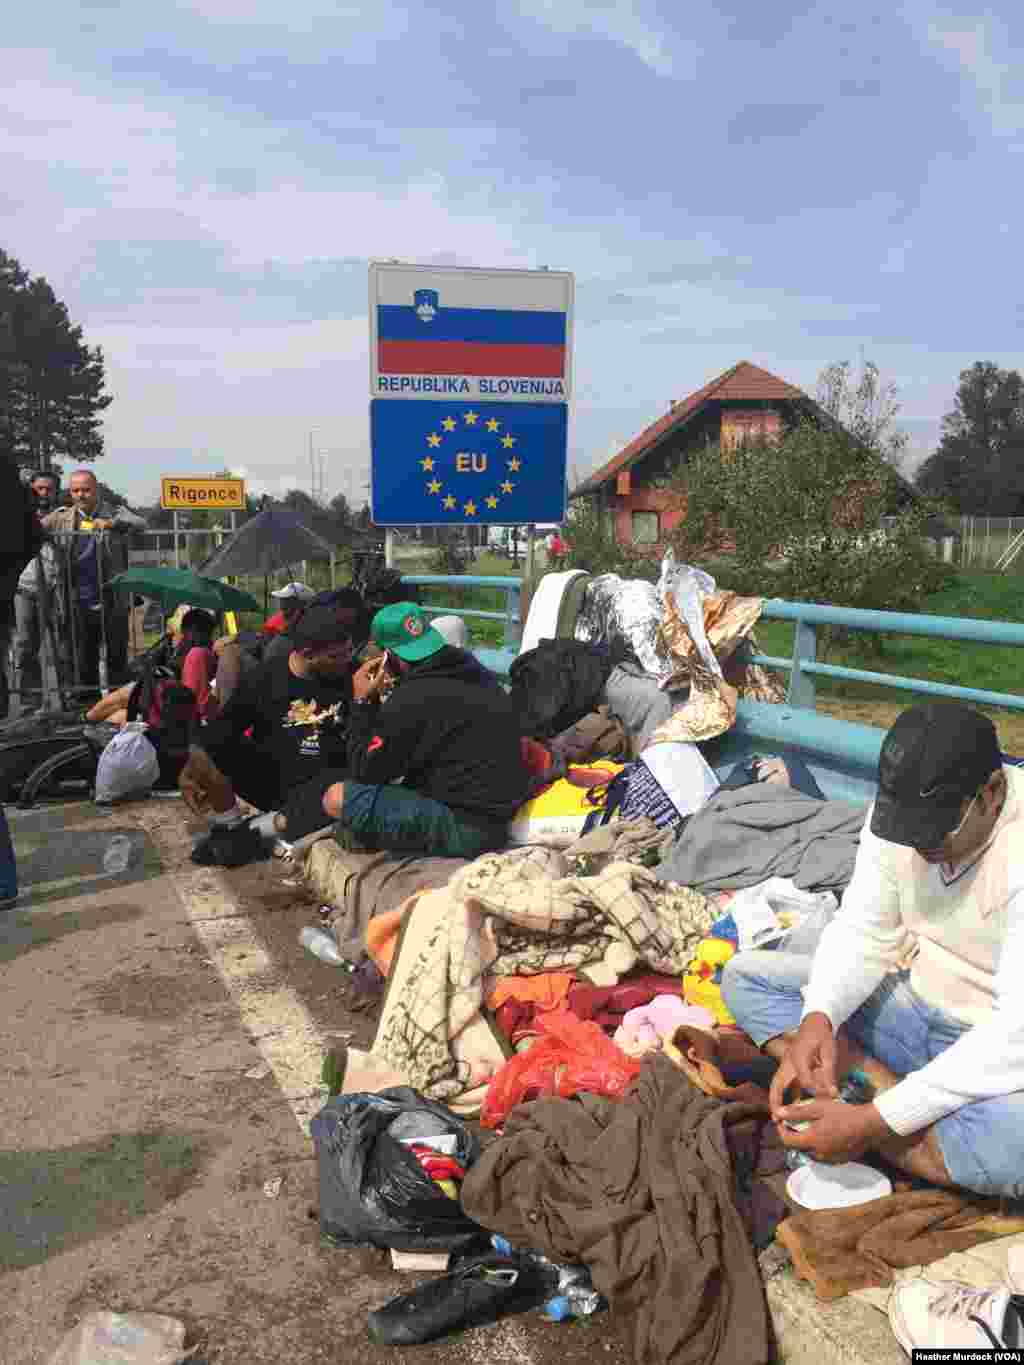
(404,628)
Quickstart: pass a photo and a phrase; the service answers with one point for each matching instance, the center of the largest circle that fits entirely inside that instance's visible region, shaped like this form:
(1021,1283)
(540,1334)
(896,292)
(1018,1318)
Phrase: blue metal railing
(499,660)
(847,746)
(804,667)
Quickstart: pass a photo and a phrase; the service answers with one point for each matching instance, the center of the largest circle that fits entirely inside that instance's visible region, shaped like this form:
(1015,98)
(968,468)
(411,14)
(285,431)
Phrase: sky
(204,182)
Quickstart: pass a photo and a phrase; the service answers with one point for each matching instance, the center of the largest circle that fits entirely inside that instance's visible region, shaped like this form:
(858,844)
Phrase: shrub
(593,546)
(811,506)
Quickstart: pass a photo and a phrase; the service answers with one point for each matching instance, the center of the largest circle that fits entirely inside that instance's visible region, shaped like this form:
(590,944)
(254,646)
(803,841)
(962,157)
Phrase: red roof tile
(744,382)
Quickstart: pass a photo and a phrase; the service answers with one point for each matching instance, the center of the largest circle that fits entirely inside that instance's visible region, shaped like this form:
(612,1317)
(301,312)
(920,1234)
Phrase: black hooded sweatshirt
(448,736)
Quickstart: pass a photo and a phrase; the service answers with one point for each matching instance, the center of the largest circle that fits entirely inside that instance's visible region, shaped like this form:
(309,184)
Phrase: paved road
(160,1049)
(161,1042)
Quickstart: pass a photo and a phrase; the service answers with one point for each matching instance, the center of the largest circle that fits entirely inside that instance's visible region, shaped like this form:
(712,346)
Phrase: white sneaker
(950,1314)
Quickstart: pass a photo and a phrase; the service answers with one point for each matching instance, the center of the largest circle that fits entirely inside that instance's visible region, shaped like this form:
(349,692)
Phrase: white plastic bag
(777,907)
(123,1339)
(128,766)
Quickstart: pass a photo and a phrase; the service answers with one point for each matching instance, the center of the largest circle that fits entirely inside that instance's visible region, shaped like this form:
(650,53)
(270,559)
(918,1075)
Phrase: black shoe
(229,846)
(481,1290)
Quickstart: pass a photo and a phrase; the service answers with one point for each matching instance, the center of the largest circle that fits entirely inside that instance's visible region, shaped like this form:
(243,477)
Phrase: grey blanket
(744,836)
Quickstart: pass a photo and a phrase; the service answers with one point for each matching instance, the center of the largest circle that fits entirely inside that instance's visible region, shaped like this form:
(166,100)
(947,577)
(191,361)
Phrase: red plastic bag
(570,1057)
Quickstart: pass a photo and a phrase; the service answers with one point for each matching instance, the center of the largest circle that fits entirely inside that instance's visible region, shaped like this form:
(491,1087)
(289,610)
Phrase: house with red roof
(744,403)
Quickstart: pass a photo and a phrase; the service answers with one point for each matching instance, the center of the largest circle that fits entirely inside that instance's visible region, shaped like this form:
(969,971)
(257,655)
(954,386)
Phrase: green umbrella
(171,587)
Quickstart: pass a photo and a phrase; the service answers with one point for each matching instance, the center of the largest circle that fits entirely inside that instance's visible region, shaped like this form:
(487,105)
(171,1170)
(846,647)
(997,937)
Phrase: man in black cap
(282,738)
(917,979)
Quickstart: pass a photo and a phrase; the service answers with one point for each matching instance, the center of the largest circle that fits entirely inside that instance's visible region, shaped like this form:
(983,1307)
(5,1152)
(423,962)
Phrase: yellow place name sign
(186,494)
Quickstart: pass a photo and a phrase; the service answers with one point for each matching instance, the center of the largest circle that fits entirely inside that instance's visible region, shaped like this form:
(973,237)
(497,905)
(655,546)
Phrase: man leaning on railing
(94,560)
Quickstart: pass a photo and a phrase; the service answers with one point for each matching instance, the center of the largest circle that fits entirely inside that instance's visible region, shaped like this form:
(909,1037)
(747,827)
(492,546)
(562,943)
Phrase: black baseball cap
(933,758)
(340,615)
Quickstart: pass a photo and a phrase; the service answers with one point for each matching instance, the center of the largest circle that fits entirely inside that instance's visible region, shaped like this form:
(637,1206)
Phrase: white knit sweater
(969,926)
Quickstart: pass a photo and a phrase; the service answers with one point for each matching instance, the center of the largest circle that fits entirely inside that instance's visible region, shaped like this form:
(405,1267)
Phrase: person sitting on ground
(238,654)
(421,719)
(192,664)
(938,882)
(282,737)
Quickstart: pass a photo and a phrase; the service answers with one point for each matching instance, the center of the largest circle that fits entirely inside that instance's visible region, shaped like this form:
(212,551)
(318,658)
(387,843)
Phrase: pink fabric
(646,1026)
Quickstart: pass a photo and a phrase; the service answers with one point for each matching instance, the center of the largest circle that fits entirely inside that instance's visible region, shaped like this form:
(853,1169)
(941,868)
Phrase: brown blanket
(839,1250)
(643,1192)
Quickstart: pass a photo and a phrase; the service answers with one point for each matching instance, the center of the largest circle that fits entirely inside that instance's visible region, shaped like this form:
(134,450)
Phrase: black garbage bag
(372,1189)
(557,684)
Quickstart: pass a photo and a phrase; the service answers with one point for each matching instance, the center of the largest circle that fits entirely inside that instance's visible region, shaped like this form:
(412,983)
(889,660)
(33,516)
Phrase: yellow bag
(558,814)
(702,980)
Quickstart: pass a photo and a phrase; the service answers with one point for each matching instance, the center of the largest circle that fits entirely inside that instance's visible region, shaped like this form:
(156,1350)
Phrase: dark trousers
(89,625)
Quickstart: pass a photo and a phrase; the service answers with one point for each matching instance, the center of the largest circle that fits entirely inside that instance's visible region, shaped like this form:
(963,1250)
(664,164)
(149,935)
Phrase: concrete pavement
(161,1044)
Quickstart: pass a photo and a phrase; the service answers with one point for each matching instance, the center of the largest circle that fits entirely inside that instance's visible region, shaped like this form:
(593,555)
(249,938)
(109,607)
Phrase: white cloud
(975,43)
(619,22)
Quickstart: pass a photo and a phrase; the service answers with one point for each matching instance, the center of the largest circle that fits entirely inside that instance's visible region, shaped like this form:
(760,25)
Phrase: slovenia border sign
(470,377)
(189,494)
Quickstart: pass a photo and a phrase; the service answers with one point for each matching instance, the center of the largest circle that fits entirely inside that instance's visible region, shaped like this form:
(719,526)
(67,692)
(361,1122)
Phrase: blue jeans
(982,1143)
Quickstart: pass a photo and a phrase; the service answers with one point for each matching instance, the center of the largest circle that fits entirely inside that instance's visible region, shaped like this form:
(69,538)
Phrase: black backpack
(557,684)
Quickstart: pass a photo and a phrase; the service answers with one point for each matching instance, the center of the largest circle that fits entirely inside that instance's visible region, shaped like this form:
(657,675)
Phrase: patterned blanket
(514,914)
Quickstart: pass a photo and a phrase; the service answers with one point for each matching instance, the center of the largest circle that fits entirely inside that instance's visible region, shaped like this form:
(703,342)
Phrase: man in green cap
(435,755)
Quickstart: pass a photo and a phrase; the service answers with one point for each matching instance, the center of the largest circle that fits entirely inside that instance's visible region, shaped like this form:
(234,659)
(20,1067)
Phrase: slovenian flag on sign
(425,337)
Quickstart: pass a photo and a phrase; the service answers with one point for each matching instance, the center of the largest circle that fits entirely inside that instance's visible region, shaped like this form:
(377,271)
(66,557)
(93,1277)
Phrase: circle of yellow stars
(435,487)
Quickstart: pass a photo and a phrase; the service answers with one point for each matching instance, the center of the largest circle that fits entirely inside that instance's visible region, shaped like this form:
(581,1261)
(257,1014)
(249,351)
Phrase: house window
(645,528)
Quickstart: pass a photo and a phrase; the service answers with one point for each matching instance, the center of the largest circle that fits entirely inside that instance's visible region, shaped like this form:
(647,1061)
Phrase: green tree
(810,506)
(52,385)
(979,463)
(593,545)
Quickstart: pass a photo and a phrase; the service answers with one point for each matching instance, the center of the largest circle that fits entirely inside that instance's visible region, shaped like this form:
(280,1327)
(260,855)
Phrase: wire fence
(986,541)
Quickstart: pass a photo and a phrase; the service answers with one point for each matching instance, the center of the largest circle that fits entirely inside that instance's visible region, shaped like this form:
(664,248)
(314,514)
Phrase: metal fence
(987,541)
(843,754)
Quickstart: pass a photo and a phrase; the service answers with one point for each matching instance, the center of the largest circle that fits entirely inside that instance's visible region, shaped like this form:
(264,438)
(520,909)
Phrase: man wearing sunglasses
(918,979)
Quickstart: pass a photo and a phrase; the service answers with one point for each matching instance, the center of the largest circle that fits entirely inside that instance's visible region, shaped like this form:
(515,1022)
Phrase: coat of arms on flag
(425,304)
(437,463)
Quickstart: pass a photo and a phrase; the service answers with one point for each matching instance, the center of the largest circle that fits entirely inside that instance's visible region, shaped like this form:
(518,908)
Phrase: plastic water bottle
(574,1295)
(855,1089)
(576,1302)
(321,945)
(118,854)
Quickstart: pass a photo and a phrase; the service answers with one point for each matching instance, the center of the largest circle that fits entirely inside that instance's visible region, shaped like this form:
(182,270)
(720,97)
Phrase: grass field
(995,668)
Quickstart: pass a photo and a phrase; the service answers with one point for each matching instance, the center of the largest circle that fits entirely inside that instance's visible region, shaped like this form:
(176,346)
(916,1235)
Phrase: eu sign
(467,463)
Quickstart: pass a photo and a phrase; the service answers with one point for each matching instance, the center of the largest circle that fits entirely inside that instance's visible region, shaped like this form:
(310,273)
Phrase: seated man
(941,861)
(238,654)
(281,739)
(422,717)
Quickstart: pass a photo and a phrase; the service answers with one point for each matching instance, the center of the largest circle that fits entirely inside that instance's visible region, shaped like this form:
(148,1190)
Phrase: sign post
(470,379)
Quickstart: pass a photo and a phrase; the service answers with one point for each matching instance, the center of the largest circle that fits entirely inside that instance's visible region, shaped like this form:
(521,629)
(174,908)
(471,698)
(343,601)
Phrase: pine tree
(51,383)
